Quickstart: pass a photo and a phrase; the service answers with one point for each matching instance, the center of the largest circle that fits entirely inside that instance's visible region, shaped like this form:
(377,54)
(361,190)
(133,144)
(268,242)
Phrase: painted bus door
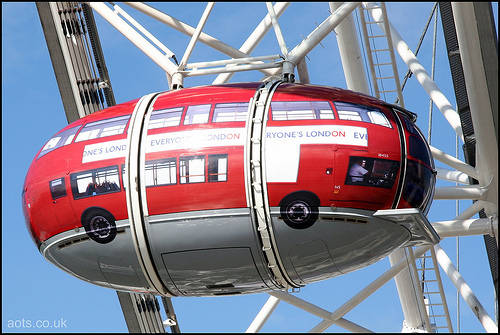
(317,170)
(61,205)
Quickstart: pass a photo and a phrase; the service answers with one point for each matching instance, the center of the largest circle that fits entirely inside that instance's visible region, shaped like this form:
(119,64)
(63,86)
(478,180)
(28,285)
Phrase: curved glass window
(103,128)
(57,188)
(230,112)
(365,171)
(197,114)
(417,185)
(59,140)
(418,149)
(355,112)
(301,110)
(169,117)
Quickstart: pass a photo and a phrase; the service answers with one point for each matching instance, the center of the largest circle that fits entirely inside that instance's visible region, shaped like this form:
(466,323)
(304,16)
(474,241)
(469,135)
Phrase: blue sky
(35,290)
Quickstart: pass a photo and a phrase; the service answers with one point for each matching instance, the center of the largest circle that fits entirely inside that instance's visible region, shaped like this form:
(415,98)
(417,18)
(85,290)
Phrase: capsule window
(197,114)
(230,112)
(365,171)
(103,128)
(57,188)
(59,140)
(169,117)
(355,112)
(95,182)
(417,184)
(301,110)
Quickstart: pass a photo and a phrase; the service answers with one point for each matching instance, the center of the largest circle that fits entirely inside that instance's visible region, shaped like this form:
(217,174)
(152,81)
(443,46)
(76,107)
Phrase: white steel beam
(143,30)
(264,314)
(313,39)
(109,15)
(178,78)
(454,228)
(188,30)
(350,53)
(471,210)
(449,160)
(255,38)
(480,102)
(318,311)
(465,291)
(420,73)
(369,289)
(453,176)
(277,29)
(474,192)
(230,68)
(196,35)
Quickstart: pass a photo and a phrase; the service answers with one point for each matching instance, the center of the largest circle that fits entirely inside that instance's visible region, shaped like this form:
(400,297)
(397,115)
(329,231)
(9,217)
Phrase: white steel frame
(284,65)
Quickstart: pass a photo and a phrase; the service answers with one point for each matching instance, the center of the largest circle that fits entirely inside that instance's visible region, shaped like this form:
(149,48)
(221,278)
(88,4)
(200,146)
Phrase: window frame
(185,174)
(59,190)
(95,175)
(360,113)
(99,129)
(286,111)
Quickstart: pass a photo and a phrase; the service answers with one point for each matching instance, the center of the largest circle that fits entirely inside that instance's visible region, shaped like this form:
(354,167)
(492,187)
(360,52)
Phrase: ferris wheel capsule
(230,189)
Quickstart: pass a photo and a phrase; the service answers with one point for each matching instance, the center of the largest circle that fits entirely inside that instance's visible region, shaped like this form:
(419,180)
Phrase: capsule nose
(27,218)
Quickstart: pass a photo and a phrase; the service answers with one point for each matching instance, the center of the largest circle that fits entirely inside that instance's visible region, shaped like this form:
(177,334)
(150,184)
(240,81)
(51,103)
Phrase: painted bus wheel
(100,227)
(299,211)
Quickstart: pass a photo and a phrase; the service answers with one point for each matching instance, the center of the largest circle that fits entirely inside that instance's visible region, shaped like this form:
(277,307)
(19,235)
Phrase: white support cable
(122,12)
(465,291)
(161,60)
(277,29)
(314,38)
(420,73)
(254,39)
(196,35)
(188,30)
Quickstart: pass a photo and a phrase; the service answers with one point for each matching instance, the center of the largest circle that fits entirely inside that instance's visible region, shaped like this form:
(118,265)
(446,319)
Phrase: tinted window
(217,168)
(418,149)
(95,182)
(301,110)
(230,112)
(197,114)
(59,140)
(374,172)
(355,112)
(103,128)
(57,188)
(170,117)
(417,184)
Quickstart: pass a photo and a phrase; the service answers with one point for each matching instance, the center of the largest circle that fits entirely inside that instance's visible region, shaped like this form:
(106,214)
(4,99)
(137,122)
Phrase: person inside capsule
(358,171)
